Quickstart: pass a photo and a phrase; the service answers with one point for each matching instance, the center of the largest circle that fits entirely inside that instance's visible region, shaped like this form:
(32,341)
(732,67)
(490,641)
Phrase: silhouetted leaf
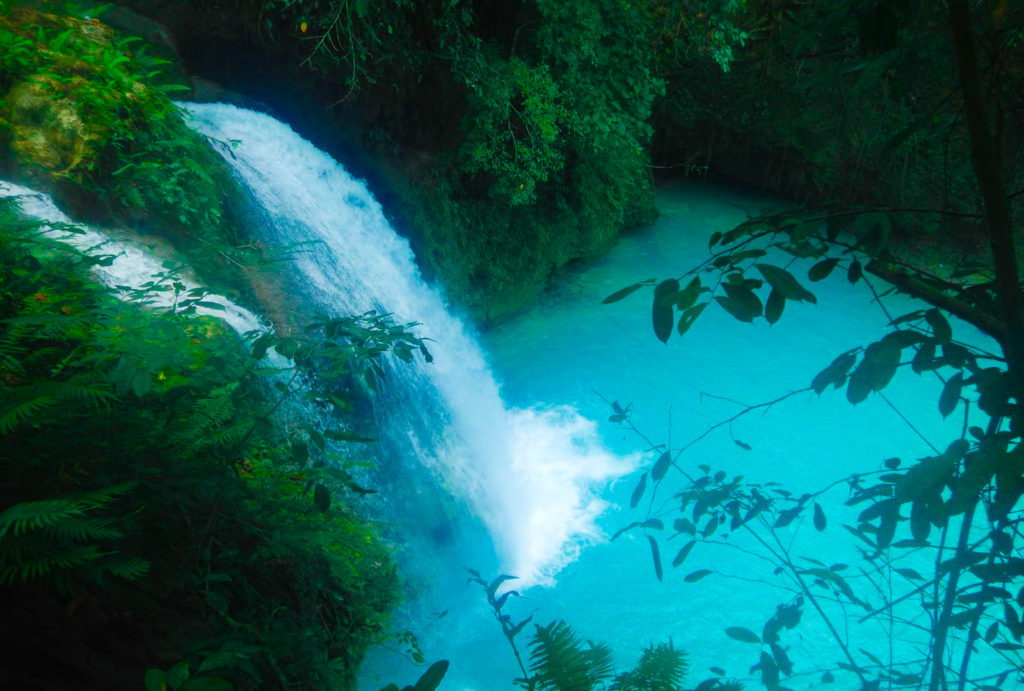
(683,553)
(620,531)
(822,269)
(920,522)
(784,282)
(786,517)
(892,463)
(875,370)
(855,272)
(653,524)
(773,308)
(662,317)
(431,679)
(638,493)
(695,576)
(741,302)
(951,394)
(661,466)
(820,522)
(991,632)
(687,318)
(656,556)
(687,297)
(619,294)
(741,634)
(781,659)
(769,672)
(940,327)
(911,574)
(835,373)
(743,445)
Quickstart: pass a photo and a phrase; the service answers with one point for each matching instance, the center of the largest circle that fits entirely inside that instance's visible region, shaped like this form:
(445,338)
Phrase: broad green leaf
(656,556)
(178,674)
(951,394)
(773,308)
(741,634)
(155,680)
(822,269)
(784,282)
(662,317)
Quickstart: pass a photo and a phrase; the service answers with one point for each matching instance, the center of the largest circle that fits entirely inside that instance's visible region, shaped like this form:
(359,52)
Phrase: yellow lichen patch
(46,128)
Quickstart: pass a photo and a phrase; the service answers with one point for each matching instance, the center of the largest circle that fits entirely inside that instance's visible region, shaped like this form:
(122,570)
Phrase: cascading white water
(132,266)
(530,476)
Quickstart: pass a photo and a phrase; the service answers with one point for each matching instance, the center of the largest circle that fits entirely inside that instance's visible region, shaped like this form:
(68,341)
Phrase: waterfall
(132,265)
(528,479)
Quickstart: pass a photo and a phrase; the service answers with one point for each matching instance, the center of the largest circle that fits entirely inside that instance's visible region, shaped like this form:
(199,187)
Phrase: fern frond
(557,659)
(29,560)
(235,434)
(83,529)
(87,395)
(661,668)
(131,569)
(12,417)
(33,515)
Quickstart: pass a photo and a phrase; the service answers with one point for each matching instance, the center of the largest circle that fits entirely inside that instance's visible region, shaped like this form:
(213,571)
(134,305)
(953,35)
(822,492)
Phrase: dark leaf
(661,309)
(855,272)
(661,466)
(656,556)
(743,445)
(431,679)
(781,659)
(619,294)
(785,283)
(683,553)
(892,463)
(741,302)
(822,269)
(769,672)
(951,394)
(920,521)
(638,493)
(911,574)
(686,298)
(991,632)
(773,308)
(820,522)
(697,575)
(687,318)
(875,370)
(786,517)
(741,634)
(940,327)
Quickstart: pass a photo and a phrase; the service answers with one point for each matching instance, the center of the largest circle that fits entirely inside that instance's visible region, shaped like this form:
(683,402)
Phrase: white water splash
(532,477)
(132,266)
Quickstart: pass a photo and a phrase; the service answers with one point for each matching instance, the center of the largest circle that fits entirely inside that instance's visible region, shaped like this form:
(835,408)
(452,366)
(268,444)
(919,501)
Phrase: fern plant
(559,661)
(39,539)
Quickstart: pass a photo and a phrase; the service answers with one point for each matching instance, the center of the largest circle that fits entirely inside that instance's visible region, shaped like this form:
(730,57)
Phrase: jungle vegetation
(155,510)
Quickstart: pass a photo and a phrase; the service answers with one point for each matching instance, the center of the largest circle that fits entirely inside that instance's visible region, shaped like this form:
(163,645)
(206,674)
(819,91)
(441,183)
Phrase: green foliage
(144,461)
(83,110)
